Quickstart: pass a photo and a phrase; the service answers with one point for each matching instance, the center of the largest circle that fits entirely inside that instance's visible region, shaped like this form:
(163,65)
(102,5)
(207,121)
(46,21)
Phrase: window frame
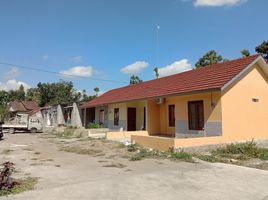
(171,119)
(197,115)
(116,116)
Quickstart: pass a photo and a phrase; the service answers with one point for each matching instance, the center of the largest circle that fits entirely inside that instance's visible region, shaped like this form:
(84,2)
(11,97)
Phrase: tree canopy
(96,89)
(134,80)
(263,50)
(209,58)
(245,53)
(46,93)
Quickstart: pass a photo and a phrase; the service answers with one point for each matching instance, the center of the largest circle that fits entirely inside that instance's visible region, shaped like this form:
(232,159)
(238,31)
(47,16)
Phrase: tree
(33,94)
(156,72)
(263,49)
(21,93)
(96,89)
(211,57)
(134,80)
(54,93)
(245,53)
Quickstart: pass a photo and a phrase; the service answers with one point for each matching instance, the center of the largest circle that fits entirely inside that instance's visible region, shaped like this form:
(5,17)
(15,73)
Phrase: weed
(181,155)
(21,185)
(9,186)
(208,158)
(141,153)
(242,151)
(132,148)
(7,151)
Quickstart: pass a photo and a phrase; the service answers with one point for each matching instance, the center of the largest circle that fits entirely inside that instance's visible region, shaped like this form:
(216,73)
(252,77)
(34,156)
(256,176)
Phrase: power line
(58,73)
(62,74)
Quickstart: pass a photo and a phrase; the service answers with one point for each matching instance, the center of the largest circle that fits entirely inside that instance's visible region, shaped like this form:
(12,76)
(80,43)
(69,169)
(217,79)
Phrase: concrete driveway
(64,175)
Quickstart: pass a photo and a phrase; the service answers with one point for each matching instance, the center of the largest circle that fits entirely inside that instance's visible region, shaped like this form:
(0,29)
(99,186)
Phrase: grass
(239,152)
(242,151)
(82,151)
(139,153)
(208,158)
(21,186)
(68,133)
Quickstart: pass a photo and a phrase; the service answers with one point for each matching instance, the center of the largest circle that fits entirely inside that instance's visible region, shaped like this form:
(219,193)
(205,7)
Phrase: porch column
(85,118)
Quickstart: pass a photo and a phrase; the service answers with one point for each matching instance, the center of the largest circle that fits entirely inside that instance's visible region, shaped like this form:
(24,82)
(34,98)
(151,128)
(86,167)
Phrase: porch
(186,116)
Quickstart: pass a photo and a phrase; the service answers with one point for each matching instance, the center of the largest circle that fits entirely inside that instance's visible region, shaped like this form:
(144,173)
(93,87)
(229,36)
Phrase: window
(116,116)
(101,117)
(196,115)
(171,115)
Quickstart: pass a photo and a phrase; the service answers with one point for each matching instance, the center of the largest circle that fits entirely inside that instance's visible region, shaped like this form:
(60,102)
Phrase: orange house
(220,103)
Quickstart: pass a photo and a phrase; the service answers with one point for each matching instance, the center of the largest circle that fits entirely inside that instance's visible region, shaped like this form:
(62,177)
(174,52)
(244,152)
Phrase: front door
(131,119)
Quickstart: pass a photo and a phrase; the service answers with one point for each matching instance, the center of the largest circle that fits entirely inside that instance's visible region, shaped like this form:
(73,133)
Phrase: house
(22,106)
(65,114)
(220,103)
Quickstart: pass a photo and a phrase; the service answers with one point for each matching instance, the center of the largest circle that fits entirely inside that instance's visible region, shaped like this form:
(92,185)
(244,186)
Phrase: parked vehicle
(24,122)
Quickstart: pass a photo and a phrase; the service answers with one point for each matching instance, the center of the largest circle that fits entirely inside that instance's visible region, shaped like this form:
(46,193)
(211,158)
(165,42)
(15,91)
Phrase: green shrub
(132,148)
(263,154)
(94,126)
(181,155)
(247,148)
(242,151)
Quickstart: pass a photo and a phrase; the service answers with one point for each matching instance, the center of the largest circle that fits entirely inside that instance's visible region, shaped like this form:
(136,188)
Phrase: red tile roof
(23,106)
(30,105)
(205,78)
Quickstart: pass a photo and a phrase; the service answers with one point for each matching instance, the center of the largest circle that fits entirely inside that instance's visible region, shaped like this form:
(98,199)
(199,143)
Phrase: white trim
(235,79)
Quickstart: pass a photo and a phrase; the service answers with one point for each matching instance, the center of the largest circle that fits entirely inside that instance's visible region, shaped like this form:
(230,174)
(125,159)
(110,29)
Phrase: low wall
(197,142)
(164,144)
(125,134)
(154,142)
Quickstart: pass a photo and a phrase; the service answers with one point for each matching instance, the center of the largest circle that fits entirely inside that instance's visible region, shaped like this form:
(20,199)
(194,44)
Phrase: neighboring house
(22,106)
(57,115)
(215,104)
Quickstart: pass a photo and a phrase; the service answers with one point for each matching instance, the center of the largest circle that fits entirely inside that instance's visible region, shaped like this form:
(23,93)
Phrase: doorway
(131,119)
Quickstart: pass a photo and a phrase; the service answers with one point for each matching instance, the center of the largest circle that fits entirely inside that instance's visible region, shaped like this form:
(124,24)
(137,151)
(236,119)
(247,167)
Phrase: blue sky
(110,39)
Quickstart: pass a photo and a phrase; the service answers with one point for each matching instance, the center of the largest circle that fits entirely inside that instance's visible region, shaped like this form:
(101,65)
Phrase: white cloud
(83,71)
(45,57)
(12,84)
(174,68)
(12,73)
(76,59)
(134,68)
(215,3)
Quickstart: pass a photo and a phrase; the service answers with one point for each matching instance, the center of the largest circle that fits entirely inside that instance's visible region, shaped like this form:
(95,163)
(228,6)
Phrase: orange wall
(153,119)
(158,114)
(242,118)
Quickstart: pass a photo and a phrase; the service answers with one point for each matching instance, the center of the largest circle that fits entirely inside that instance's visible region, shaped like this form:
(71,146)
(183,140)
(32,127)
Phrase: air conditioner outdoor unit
(159,100)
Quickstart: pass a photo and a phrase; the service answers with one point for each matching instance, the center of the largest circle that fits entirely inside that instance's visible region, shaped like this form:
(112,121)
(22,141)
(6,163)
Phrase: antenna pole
(157,45)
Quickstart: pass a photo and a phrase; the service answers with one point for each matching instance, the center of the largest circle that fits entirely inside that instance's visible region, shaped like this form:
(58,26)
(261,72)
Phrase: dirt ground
(108,174)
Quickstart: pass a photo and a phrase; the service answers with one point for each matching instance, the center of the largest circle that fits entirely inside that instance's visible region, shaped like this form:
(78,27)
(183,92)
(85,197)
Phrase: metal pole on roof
(157,45)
